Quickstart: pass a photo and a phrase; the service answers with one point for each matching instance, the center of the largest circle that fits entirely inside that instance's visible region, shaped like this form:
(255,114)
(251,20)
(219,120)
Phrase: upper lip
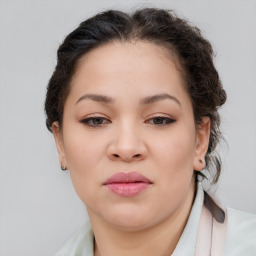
(122,177)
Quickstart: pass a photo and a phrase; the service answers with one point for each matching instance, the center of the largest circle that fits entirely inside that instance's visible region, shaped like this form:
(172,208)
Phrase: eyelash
(90,121)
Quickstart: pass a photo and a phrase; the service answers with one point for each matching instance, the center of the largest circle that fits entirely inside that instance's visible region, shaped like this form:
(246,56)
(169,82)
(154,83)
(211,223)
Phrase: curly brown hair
(194,55)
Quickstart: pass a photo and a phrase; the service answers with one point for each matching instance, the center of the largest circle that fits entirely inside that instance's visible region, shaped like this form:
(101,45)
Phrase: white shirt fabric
(240,236)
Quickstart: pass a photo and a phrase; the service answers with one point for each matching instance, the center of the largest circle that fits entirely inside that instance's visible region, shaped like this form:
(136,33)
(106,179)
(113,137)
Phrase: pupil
(97,121)
(158,120)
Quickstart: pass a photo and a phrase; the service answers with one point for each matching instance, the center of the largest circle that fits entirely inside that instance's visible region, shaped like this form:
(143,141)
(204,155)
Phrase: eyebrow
(158,97)
(97,98)
(144,101)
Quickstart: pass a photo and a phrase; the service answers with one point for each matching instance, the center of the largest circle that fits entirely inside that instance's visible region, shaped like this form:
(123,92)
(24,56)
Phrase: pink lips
(127,184)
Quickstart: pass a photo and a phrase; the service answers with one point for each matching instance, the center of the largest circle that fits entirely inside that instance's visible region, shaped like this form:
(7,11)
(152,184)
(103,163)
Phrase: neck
(160,239)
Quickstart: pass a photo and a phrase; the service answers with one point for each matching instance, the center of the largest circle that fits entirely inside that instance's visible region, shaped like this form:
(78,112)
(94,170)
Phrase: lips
(127,184)
(129,177)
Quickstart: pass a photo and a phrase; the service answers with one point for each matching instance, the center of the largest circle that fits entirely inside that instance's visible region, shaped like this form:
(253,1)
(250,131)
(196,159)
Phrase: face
(129,119)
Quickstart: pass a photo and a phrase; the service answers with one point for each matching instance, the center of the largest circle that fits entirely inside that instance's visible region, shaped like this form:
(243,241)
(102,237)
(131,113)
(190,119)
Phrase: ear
(59,144)
(202,142)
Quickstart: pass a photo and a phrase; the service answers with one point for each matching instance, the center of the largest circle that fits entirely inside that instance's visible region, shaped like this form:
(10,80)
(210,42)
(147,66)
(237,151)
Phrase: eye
(95,121)
(159,120)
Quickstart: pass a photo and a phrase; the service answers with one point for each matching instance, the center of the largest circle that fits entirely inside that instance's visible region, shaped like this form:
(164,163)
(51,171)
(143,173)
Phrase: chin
(130,220)
(131,225)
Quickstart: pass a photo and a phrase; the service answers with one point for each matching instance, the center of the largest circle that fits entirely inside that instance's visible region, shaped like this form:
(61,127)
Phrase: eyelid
(168,118)
(87,119)
(162,115)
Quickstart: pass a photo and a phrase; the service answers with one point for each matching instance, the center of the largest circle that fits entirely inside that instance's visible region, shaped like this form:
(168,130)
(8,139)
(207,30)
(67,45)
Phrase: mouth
(127,184)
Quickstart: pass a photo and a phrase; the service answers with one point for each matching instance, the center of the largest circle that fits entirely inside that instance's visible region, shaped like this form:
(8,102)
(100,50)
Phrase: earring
(63,168)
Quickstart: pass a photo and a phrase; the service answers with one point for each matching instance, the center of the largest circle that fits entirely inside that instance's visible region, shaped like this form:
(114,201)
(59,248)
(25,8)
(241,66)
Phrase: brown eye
(95,121)
(161,120)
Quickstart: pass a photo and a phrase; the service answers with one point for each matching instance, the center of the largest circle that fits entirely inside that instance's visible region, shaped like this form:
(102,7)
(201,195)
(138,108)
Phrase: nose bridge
(128,143)
(127,135)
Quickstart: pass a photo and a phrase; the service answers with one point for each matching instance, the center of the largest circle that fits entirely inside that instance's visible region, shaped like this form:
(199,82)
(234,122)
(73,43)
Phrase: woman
(133,107)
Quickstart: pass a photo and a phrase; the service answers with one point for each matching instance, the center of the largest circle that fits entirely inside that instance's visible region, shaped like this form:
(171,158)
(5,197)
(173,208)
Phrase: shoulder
(241,233)
(80,243)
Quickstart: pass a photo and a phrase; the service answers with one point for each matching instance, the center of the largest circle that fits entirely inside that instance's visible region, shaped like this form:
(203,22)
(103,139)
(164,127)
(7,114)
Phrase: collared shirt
(240,236)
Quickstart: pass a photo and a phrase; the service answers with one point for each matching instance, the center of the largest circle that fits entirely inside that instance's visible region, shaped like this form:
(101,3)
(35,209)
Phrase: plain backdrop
(39,209)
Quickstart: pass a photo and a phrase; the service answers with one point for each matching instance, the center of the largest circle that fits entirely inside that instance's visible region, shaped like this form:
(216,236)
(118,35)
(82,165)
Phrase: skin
(131,136)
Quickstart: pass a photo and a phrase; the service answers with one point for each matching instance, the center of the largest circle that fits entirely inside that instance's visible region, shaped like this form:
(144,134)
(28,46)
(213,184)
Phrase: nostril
(138,155)
(116,155)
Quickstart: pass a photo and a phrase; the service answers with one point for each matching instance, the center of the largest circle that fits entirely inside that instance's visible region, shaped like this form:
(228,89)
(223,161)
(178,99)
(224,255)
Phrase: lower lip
(127,189)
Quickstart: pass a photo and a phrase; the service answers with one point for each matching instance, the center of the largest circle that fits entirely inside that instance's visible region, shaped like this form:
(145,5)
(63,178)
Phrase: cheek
(84,154)
(175,174)
(174,161)
(176,149)
(81,155)
(83,149)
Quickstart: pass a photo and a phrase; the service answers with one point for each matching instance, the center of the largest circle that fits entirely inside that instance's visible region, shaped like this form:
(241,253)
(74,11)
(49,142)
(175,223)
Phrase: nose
(127,145)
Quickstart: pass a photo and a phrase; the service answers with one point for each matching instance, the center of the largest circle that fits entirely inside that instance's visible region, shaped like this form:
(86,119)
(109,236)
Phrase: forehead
(127,55)
(128,66)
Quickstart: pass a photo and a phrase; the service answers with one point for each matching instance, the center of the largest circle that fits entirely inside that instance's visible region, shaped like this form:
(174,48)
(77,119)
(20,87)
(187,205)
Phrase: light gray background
(39,209)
